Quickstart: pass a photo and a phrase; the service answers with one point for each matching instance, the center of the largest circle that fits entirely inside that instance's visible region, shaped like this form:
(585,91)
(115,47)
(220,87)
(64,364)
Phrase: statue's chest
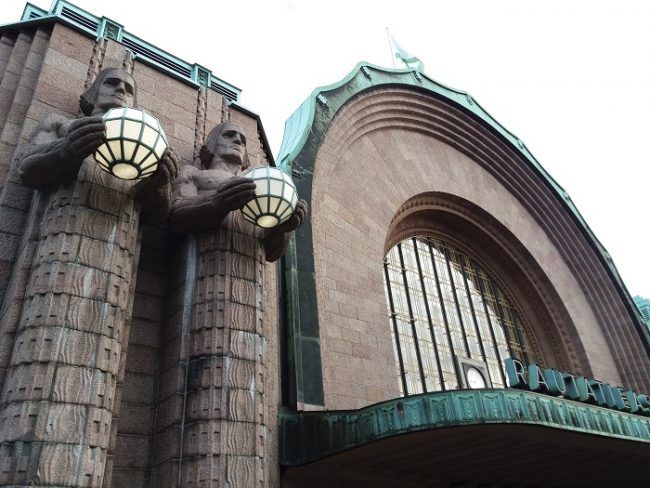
(210,179)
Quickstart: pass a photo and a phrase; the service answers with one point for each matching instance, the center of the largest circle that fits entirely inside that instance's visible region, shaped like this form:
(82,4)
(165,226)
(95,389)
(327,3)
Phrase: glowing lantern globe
(275,197)
(135,143)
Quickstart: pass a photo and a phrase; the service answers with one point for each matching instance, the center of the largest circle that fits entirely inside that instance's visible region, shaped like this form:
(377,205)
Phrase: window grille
(443,306)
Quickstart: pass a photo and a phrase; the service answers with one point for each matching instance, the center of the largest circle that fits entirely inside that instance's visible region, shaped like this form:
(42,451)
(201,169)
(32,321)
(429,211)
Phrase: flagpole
(390,48)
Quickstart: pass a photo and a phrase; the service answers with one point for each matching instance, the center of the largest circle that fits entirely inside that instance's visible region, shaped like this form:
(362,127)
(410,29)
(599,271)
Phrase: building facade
(439,261)
(132,354)
(445,317)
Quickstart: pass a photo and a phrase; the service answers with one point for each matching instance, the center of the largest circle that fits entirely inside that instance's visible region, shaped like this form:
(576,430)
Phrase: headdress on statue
(89,97)
(207,152)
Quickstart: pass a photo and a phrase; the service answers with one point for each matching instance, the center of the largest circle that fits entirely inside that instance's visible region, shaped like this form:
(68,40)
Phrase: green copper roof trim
(309,436)
(96,27)
(304,132)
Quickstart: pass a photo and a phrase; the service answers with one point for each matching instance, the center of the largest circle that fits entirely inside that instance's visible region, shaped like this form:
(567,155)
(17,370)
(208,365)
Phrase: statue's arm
(57,150)
(195,212)
(154,194)
(277,239)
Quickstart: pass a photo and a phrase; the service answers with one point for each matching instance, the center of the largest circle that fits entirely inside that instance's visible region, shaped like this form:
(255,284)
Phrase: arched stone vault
(385,145)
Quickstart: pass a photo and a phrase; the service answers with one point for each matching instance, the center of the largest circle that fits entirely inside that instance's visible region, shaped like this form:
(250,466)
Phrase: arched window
(452,325)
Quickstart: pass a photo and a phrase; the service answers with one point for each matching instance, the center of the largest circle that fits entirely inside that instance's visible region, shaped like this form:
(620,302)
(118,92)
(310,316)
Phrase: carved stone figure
(58,401)
(204,197)
(227,329)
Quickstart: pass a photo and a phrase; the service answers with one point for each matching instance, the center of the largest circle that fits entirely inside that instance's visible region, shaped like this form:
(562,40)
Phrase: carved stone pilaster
(199,128)
(128,61)
(96,61)
(225,110)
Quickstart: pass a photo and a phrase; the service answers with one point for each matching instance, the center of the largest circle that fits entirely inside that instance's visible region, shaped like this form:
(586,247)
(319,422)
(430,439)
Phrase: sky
(571,78)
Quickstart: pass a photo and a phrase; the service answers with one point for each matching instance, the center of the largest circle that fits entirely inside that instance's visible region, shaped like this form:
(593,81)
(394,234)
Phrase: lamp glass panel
(149,136)
(131,113)
(286,213)
(267,221)
(116,149)
(149,120)
(149,160)
(131,130)
(284,205)
(274,203)
(288,192)
(101,160)
(275,187)
(103,150)
(261,187)
(160,147)
(129,149)
(113,114)
(140,154)
(125,171)
(264,204)
(113,128)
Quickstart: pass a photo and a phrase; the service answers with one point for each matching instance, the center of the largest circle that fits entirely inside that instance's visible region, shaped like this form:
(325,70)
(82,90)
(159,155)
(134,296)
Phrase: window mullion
(453,291)
(471,307)
(393,315)
(500,315)
(444,317)
(489,320)
(412,318)
(426,306)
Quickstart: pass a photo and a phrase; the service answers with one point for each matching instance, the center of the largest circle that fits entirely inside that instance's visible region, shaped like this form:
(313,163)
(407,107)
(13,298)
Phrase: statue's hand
(167,170)
(234,193)
(84,136)
(297,219)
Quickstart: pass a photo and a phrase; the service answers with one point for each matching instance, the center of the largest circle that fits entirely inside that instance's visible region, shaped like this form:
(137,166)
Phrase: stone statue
(226,324)
(204,197)
(65,365)
(60,146)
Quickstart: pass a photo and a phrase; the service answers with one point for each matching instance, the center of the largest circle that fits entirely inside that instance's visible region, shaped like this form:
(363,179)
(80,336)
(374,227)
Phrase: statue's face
(115,91)
(230,145)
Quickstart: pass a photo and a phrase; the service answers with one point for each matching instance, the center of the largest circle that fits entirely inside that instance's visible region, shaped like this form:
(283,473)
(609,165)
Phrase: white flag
(407,58)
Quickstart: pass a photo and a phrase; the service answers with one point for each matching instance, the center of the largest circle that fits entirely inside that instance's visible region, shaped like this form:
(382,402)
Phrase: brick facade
(99,387)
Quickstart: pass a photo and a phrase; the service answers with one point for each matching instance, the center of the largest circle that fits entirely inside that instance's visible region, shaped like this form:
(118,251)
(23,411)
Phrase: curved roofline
(302,128)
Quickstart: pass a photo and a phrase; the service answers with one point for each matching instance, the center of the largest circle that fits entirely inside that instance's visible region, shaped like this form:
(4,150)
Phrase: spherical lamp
(275,197)
(135,143)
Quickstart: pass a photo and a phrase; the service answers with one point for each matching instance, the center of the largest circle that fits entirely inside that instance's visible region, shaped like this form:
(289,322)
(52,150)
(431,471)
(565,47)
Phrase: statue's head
(226,142)
(113,88)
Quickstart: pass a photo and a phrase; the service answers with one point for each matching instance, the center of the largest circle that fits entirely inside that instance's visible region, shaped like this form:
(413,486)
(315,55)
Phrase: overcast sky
(570,78)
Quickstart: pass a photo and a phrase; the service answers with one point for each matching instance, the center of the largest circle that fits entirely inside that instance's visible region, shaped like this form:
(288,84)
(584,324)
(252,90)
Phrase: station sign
(567,385)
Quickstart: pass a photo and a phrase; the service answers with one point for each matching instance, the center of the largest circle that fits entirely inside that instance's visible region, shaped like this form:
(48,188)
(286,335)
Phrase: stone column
(57,401)
(224,428)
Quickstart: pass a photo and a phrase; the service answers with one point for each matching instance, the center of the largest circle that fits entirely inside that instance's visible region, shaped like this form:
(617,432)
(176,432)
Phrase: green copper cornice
(96,27)
(309,436)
